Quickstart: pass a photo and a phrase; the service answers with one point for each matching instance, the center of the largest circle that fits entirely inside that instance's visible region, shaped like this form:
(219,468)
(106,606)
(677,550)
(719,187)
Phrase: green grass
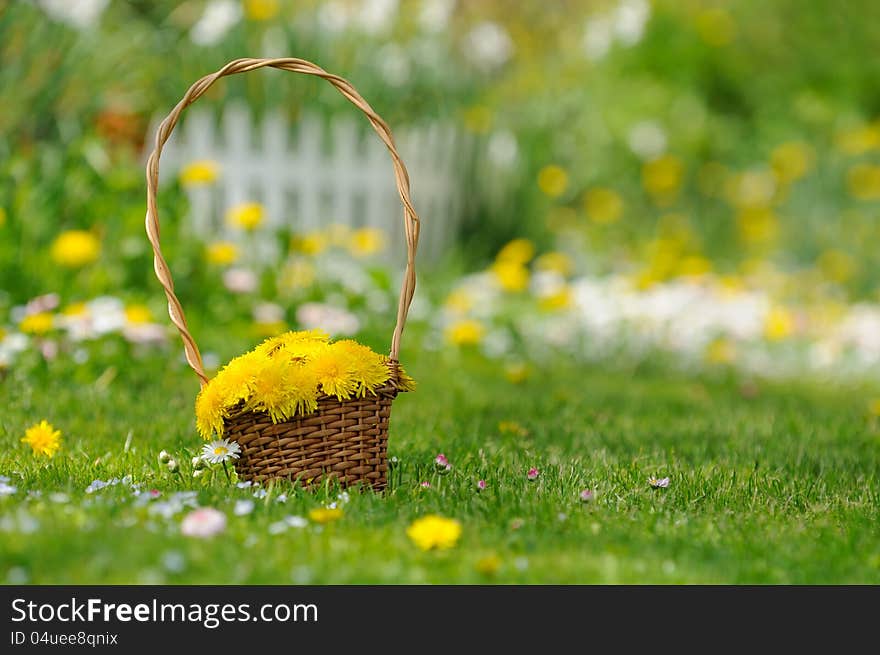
(782,486)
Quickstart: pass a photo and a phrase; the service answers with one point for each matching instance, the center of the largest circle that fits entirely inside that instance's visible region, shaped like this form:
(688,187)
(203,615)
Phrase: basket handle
(401,177)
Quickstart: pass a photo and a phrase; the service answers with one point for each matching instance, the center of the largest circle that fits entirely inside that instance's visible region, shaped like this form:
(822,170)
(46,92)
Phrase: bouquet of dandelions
(285,377)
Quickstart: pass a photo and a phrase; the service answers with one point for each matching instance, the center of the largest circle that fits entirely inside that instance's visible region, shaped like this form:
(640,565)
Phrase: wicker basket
(342,440)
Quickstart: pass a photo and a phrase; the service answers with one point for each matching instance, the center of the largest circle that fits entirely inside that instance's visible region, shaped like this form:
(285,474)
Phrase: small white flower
(243,507)
(658,483)
(220,450)
(244,485)
(204,522)
(198,473)
(197,462)
(172,465)
(260,493)
(6,489)
(281,498)
(296,521)
(164,457)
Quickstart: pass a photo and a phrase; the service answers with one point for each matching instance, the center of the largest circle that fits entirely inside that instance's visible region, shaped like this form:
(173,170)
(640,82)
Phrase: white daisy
(220,450)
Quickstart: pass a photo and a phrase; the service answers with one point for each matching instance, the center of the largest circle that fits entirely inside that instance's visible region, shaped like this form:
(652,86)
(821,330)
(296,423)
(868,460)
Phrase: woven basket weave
(342,440)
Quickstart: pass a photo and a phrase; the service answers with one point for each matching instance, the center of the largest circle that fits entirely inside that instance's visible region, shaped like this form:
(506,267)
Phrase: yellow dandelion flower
(458,301)
(694,266)
(603,206)
(792,160)
(333,368)
(313,243)
(236,380)
(404,381)
(39,323)
(488,565)
(210,411)
(247,216)
(517,372)
(662,178)
(369,369)
(555,262)
(467,332)
(301,392)
(863,181)
(270,388)
(518,251)
(553,180)
(859,140)
(75,248)
(757,225)
(138,314)
(511,277)
(221,253)
(837,265)
(779,324)
(366,241)
(434,532)
(292,341)
(43,439)
(75,309)
(325,514)
(556,301)
(720,351)
(199,173)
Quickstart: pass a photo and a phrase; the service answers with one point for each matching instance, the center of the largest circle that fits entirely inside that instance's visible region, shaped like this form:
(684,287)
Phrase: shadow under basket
(342,440)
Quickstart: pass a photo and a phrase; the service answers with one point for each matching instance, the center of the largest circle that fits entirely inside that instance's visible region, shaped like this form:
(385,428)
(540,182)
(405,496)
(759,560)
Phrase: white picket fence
(313,173)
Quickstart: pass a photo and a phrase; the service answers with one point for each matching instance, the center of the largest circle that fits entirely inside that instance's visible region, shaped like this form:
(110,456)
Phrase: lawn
(769,483)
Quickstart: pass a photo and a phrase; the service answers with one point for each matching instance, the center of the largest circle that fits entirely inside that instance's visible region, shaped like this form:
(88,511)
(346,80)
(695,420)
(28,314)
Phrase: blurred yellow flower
(555,262)
(720,351)
(458,301)
(75,309)
(792,160)
(560,219)
(221,253)
(325,514)
(311,243)
(488,565)
(859,140)
(752,189)
(716,27)
(138,314)
(517,372)
(603,205)
(39,323)
(75,248)
(518,251)
(434,532)
(512,277)
(863,181)
(693,266)
(366,241)
(874,406)
(779,324)
(298,273)
(43,439)
(757,225)
(478,119)
(662,178)
(558,300)
(248,216)
(261,9)
(553,180)
(466,332)
(199,173)
(837,265)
